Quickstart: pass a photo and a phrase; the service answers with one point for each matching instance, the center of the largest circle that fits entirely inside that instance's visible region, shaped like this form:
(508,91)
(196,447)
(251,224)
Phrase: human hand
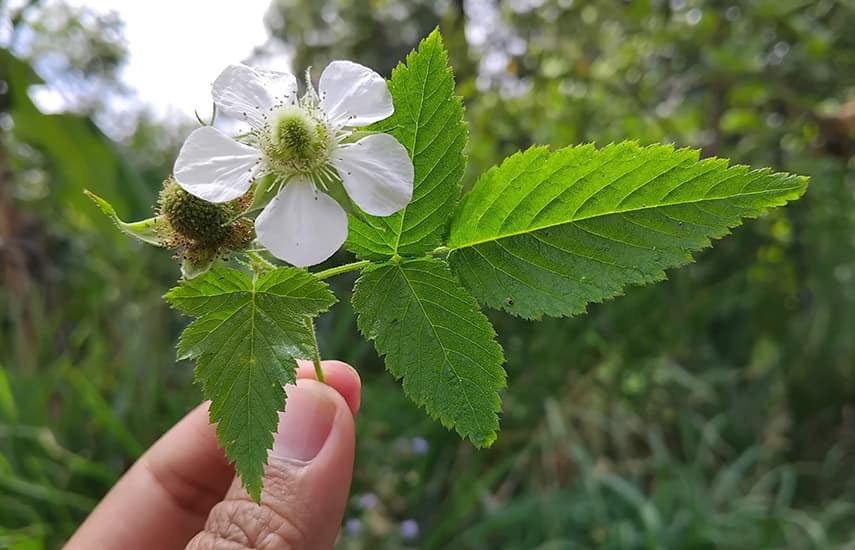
(183,491)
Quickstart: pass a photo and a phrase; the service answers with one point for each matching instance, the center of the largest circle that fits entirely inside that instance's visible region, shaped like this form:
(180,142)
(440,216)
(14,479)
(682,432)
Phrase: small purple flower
(367,501)
(353,526)
(409,529)
(419,445)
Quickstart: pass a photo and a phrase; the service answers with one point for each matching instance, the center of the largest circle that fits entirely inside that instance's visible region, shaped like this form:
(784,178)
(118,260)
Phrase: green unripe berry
(193,218)
(241,234)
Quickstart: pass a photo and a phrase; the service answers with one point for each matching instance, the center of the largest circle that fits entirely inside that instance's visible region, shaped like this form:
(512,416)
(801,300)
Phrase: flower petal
(214,167)
(377,174)
(246,93)
(353,95)
(301,225)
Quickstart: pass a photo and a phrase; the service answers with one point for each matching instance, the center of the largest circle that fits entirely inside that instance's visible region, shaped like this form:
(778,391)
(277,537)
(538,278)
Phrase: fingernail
(306,422)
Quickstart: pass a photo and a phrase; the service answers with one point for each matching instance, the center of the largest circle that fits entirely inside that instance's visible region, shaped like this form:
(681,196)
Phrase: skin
(183,492)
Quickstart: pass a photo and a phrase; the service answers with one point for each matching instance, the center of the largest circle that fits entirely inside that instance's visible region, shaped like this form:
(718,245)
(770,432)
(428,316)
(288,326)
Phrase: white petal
(214,167)
(353,95)
(246,93)
(302,226)
(377,173)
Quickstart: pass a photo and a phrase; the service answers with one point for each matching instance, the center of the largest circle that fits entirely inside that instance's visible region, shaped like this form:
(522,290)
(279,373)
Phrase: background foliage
(713,410)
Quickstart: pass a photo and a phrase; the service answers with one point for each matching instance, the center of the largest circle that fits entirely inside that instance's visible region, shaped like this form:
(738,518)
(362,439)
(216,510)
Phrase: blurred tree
(378,34)
(77,50)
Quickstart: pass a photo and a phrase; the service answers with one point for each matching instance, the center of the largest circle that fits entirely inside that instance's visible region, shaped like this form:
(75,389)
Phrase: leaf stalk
(316,354)
(338,270)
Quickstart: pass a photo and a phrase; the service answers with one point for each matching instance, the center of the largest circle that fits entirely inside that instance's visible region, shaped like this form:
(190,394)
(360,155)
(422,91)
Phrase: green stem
(355,266)
(258,262)
(316,353)
(333,271)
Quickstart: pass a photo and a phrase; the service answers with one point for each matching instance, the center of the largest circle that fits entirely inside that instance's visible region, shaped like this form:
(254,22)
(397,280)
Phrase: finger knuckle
(243,524)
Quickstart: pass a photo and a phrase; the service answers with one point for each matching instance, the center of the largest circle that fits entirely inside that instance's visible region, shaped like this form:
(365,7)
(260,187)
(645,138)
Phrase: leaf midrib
(251,361)
(777,190)
(403,213)
(439,340)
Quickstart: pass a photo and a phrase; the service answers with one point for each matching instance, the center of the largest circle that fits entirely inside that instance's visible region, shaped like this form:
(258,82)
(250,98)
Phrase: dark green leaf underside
(436,339)
(548,233)
(245,343)
(428,121)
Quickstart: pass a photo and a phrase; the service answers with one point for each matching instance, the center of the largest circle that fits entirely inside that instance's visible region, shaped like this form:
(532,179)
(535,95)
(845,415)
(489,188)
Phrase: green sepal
(263,193)
(193,265)
(146,231)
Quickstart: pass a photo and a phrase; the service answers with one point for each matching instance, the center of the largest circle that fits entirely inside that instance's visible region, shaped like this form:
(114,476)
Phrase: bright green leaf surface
(547,233)
(436,339)
(428,121)
(245,341)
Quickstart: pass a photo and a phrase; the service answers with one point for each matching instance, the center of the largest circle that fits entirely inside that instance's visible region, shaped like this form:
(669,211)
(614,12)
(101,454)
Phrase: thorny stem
(316,354)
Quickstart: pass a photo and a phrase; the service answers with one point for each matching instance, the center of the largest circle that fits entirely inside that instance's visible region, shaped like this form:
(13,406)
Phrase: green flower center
(294,134)
(296,140)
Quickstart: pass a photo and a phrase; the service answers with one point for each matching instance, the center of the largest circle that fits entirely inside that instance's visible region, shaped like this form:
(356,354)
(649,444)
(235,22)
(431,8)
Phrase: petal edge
(244,92)
(302,226)
(377,174)
(353,95)
(214,167)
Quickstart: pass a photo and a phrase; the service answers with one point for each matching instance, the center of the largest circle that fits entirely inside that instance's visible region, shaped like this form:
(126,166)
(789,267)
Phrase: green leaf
(434,337)
(7,399)
(245,342)
(547,233)
(93,162)
(144,230)
(428,121)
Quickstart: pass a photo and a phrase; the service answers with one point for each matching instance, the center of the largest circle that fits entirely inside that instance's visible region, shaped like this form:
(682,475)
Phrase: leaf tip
(486,441)
(253,488)
(102,204)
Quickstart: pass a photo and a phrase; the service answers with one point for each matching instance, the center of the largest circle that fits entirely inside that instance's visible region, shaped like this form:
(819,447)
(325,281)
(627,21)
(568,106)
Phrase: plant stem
(258,262)
(316,354)
(333,271)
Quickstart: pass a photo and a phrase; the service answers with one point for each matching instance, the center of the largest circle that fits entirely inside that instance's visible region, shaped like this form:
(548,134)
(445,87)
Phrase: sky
(178,47)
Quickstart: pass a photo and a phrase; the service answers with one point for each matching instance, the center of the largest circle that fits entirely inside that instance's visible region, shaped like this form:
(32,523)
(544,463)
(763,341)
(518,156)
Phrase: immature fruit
(199,221)
(203,231)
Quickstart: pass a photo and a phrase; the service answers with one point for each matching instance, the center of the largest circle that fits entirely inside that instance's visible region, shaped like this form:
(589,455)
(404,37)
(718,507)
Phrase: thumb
(306,482)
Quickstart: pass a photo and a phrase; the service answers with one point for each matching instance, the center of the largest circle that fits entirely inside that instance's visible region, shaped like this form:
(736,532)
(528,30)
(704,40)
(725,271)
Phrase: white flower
(306,144)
